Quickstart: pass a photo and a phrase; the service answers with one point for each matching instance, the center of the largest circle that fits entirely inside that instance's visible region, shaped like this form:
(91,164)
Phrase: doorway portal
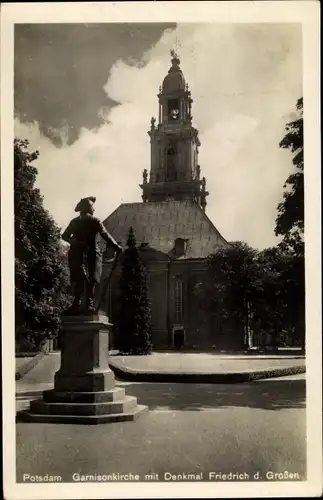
(178,337)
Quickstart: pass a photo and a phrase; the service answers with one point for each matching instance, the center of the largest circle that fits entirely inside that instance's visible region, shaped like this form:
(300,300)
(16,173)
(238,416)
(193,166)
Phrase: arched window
(110,301)
(173,110)
(106,297)
(171,161)
(178,300)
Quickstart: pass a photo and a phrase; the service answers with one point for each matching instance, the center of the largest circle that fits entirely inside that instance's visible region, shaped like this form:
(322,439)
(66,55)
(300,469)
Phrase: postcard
(161,292)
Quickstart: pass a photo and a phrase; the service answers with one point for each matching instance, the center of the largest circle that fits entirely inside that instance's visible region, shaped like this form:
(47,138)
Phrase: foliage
(279,306)
(229,288)
(40,263)
(134,321)
(290,218)
(255,294)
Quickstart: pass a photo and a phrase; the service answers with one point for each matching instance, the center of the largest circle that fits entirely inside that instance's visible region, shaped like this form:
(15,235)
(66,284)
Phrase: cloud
(244,80)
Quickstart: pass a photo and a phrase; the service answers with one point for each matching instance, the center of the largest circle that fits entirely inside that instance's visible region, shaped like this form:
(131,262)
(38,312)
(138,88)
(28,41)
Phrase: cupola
(174,81)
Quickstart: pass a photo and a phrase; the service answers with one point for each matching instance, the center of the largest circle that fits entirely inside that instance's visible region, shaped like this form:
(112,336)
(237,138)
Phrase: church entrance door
(179,338)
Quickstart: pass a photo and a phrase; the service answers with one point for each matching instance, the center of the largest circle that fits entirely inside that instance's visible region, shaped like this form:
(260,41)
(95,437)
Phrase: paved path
(258,426)
(43,372)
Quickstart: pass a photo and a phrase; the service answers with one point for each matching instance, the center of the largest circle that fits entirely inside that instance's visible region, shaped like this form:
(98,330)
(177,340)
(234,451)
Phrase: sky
(85,94)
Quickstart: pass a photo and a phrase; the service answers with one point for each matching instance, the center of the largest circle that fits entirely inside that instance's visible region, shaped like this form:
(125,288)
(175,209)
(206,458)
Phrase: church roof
(159,224)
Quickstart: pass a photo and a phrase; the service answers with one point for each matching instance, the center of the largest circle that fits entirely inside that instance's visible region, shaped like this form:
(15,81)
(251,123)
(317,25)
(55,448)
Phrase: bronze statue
(84,255)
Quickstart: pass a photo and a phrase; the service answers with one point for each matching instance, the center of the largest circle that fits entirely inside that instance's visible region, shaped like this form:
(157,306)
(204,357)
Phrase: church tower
(175,171)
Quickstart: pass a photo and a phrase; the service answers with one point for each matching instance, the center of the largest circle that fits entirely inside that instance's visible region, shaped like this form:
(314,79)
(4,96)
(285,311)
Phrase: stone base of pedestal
(55,418)
(84,390)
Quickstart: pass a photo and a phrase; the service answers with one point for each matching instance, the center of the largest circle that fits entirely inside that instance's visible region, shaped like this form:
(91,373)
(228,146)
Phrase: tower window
(171,161)
(173,109)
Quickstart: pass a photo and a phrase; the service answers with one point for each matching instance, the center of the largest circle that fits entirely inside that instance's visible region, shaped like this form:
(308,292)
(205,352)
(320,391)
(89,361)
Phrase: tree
(280,303)
(293,286)
(290,218)
(254,296)
(40,262)
(228,292)
(269,301)
(290,225)
(134,321)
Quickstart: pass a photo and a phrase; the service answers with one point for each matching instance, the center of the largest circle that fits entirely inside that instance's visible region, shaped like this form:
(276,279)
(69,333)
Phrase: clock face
(174,113)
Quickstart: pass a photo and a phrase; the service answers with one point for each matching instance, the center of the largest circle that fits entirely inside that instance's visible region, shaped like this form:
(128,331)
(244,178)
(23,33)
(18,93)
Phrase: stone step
(87,409)
(28,416)
(53,396)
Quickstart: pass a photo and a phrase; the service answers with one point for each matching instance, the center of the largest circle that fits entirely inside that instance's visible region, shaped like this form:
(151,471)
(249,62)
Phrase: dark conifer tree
(134,321)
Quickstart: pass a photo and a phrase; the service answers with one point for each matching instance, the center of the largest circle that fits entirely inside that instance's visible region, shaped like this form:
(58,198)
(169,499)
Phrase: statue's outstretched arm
(108,238)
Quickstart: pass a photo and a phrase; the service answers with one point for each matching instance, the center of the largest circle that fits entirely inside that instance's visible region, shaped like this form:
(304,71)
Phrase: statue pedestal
(84,389)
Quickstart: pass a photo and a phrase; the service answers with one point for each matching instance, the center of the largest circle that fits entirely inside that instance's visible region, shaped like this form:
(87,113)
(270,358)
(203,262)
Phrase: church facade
(173,232)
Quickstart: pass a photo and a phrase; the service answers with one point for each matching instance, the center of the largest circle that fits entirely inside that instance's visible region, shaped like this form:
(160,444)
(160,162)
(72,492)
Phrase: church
(173,232)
